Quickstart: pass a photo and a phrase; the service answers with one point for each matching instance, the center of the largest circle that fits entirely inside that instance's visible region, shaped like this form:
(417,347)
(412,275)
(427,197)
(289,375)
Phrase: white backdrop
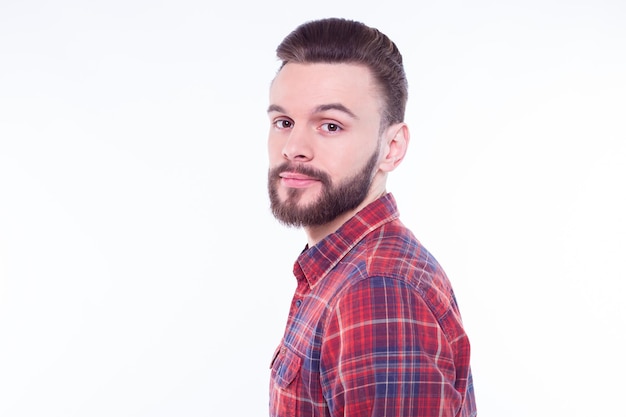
(141,273)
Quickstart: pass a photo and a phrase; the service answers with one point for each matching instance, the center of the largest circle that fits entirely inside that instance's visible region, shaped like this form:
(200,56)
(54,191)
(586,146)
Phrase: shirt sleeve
(384,353)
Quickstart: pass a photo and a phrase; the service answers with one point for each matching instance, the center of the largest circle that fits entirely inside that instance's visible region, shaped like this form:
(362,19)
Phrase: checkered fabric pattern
(373,330)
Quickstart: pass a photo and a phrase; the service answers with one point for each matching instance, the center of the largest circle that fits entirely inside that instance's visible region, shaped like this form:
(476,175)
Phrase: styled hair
(336,40)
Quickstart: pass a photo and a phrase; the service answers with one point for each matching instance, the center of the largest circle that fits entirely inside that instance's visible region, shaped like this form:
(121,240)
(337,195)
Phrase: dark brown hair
(336,40)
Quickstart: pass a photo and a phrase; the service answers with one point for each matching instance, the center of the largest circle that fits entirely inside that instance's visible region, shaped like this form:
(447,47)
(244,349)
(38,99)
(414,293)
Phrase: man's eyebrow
(276,108)
(335,106)
(319,109)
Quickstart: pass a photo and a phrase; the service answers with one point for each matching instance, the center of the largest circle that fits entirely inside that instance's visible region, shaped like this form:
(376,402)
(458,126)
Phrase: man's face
(323,141)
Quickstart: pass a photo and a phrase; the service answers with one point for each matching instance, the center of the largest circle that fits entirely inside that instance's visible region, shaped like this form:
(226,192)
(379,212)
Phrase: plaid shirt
(373,329)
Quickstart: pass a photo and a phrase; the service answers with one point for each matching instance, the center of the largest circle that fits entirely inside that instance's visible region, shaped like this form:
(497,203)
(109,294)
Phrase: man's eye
(331,127)
(283,124)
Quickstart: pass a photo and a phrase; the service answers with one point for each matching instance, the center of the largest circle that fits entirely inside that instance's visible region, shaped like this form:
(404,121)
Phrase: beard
(333,201)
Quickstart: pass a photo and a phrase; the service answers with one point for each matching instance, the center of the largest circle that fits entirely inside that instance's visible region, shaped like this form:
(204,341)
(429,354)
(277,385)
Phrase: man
(374,328)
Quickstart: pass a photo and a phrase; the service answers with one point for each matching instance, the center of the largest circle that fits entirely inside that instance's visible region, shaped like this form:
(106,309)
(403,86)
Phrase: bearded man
(374,328)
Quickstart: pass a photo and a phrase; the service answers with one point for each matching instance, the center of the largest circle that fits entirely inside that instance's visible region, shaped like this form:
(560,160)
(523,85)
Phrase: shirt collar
(317,261)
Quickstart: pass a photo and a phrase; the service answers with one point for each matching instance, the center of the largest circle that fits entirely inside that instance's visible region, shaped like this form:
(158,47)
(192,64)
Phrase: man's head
(335,41)
(336,112)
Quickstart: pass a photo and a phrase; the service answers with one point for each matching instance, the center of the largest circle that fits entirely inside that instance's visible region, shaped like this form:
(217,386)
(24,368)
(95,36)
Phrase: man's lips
(296,180)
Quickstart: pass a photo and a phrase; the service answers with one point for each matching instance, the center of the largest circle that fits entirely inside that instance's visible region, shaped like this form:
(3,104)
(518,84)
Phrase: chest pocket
(285,367)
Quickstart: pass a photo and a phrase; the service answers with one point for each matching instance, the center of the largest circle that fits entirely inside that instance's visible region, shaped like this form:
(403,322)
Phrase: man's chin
(300,206)
(299,197)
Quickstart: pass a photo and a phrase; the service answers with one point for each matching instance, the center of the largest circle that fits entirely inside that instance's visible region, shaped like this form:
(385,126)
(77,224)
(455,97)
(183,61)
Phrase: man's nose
(299,145)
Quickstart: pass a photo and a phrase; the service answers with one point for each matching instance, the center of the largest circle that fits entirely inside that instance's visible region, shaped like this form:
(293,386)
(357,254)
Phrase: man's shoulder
(390,252)
(394,251)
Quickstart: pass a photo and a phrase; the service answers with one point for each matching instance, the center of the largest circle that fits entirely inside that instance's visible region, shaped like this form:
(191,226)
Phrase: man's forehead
(324,86)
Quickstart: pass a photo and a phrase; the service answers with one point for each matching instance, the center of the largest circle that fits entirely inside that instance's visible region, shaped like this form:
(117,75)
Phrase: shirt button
(298,303)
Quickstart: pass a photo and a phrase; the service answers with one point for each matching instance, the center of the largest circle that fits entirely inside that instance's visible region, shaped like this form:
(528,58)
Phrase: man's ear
(395,144)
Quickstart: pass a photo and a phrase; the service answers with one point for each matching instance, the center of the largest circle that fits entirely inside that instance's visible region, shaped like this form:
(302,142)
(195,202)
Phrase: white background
(141,273)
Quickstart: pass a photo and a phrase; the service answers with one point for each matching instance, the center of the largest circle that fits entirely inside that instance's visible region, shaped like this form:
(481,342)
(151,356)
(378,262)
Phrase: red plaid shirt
(373,329)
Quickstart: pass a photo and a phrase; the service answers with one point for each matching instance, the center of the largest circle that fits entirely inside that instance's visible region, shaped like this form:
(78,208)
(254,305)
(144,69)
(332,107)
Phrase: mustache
(309,171)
